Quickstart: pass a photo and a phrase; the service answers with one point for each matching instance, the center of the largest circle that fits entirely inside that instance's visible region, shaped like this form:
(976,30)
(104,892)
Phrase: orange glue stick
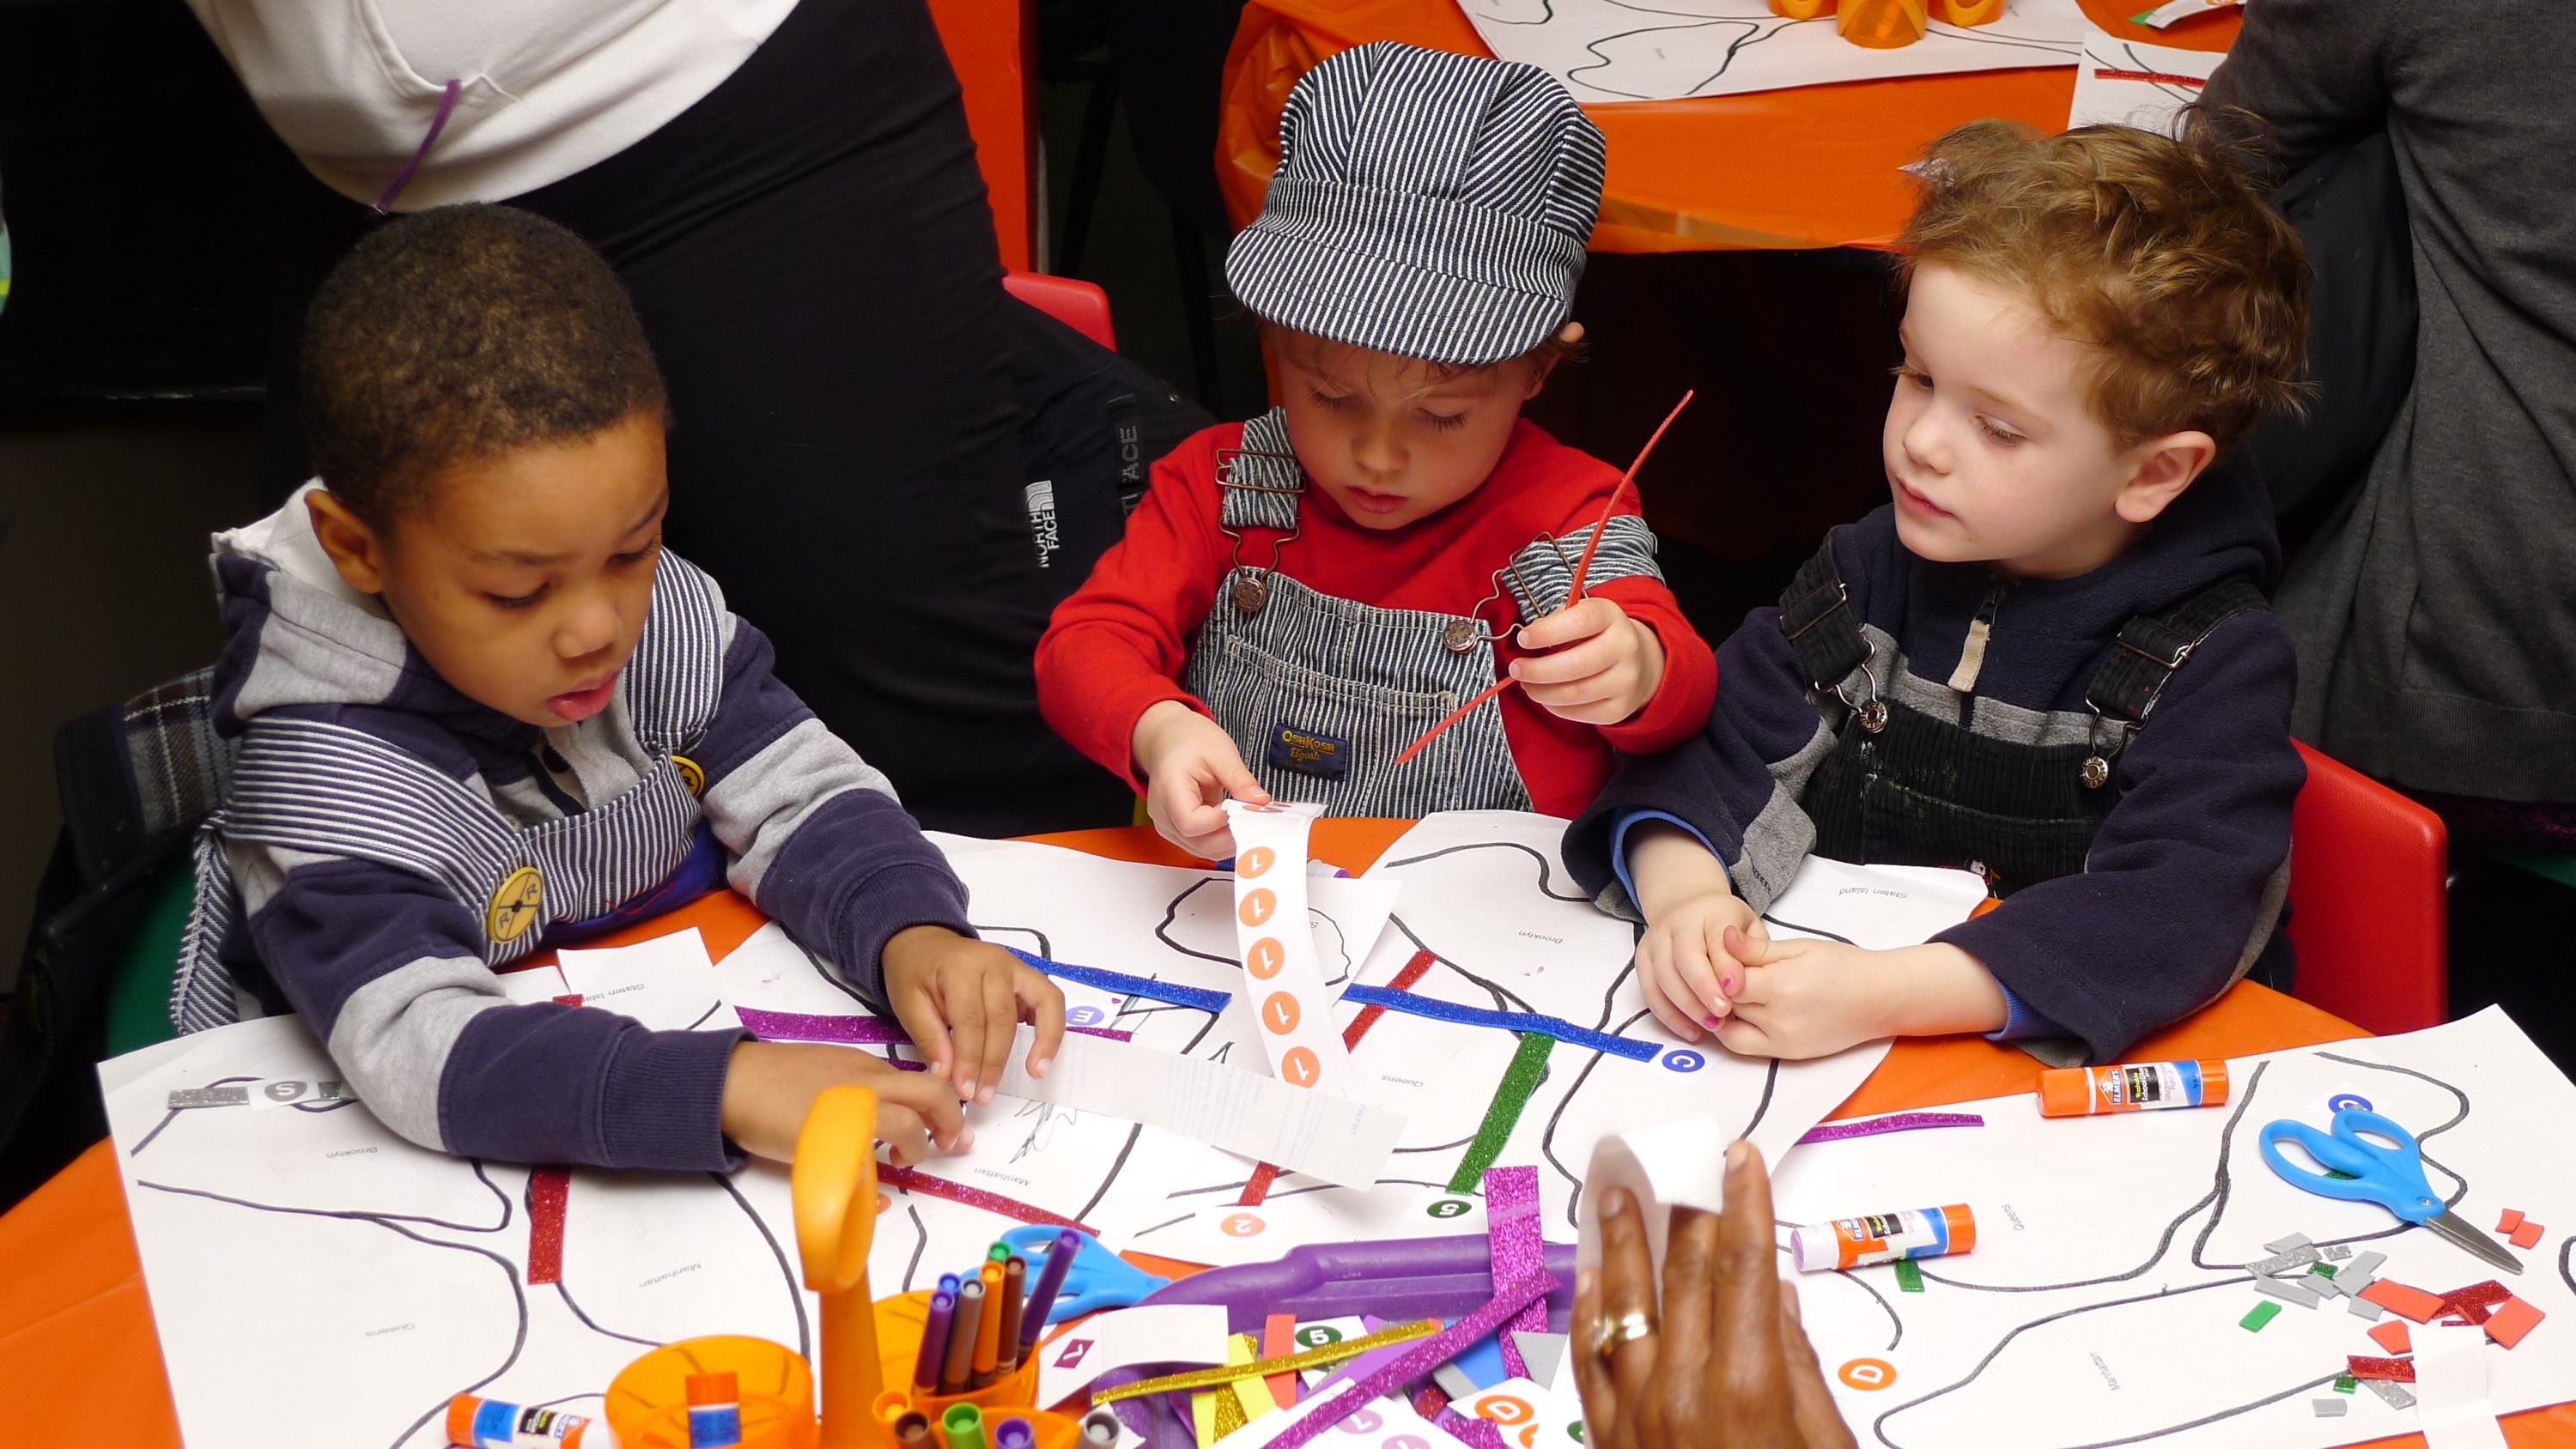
(2135,1087)
(1883,1238)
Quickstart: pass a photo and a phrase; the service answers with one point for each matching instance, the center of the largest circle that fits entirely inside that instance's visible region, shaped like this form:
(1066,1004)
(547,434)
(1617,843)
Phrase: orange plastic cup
(648,1401)
(1882,24)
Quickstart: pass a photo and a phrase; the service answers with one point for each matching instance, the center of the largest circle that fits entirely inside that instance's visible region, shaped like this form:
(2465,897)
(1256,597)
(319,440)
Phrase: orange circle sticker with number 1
(1299,1068)
(1265,958)
(1279,1013)
(1258,907)
(1254,861)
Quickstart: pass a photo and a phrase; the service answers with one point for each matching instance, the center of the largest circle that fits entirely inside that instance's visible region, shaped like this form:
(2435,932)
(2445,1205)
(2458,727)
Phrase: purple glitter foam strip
(1419,1358)
(1901,1122)
(1474,1433)
(856,1030)
(1512,1235)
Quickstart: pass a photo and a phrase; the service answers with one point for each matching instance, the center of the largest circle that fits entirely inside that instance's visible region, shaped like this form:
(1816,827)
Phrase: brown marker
(961,1337)
(1015,1292)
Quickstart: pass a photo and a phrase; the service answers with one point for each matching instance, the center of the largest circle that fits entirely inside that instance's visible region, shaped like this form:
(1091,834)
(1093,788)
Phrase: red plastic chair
(2367,906)
(1077,304)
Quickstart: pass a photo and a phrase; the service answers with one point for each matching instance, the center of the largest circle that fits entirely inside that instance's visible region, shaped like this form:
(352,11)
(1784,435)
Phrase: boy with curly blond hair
(2047,659)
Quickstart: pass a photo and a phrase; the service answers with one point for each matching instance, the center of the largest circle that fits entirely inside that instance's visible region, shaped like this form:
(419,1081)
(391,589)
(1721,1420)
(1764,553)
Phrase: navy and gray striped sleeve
(820,843)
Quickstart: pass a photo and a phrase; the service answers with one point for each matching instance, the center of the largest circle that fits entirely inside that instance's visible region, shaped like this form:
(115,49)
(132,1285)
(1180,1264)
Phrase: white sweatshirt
(546,87)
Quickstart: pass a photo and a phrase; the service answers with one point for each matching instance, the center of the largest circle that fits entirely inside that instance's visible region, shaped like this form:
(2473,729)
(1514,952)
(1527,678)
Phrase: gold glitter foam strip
(1291,1363)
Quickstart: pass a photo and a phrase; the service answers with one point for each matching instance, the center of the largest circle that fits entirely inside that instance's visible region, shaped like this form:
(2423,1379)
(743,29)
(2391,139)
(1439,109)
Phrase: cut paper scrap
(1675,1164)
(1607,52)
(1224,1106)
(2455,1410)
(2132,83)
(1185,1333)
(1277,948)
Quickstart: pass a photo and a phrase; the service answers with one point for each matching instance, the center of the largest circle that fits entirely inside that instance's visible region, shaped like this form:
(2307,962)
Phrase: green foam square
(1909,1275)
(2264,1312)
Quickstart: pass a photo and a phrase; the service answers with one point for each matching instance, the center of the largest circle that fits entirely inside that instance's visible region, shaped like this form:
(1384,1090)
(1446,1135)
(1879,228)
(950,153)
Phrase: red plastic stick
(1574,589)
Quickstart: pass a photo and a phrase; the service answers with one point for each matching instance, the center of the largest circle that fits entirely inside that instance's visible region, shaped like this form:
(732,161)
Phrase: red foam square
(2403,1301)
(2527,1235)
(2511,1220)
(2511,1321)
(2393,1337)
(2395,1370)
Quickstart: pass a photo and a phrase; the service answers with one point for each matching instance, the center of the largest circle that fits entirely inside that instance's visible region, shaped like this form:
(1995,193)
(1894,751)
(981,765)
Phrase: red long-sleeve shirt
(1122,642)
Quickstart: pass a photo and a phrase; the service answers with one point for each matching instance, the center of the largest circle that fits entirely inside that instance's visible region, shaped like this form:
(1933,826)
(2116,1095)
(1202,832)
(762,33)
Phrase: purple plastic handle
(1396,1278)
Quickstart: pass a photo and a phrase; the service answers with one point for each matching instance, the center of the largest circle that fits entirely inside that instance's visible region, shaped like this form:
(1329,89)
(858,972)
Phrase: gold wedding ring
(1613,1335)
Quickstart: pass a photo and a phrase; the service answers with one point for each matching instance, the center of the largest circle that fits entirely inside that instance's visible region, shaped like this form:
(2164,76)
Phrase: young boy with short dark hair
(2046,660)
(478,705)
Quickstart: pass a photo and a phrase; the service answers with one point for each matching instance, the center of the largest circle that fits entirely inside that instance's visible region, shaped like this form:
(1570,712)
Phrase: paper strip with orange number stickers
(1282,980)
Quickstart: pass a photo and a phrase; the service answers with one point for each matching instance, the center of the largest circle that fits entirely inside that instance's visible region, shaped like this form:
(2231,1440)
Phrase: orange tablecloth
(1810,167)
(80,1367)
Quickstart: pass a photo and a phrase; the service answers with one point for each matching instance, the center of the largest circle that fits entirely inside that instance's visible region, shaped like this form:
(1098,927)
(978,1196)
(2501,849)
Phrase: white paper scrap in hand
(2453,1409)
(1671,1164)
(1289,999)
(1191,1334)
(1224,1106)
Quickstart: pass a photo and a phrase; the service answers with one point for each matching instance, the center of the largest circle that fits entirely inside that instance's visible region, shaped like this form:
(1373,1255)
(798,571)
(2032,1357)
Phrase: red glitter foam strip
(1257,1189)
(2160,77)
(548,1187)
(2395,1370)
(2476,1295)
(911,1180)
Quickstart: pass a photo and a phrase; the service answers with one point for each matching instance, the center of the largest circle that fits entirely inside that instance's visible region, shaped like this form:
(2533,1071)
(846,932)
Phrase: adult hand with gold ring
(1725,1362)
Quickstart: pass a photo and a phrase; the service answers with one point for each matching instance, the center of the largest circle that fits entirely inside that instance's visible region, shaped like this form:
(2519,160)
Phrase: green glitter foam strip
(1520,1080)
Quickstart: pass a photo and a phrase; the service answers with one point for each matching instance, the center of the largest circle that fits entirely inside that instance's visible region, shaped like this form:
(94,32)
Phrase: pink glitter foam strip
(854,1030)
(1474,1433)
(1419,1358)
(1512,1237)
(912,1180)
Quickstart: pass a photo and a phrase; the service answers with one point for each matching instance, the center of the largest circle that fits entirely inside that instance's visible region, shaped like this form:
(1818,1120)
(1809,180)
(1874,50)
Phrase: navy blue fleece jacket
(2184,881)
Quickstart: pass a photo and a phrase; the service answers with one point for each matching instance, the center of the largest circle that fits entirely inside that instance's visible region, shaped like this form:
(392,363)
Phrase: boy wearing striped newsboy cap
(1300,596)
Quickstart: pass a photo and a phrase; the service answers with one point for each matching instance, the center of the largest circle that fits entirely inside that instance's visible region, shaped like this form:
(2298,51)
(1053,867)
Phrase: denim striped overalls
(330,789)
(1321,694)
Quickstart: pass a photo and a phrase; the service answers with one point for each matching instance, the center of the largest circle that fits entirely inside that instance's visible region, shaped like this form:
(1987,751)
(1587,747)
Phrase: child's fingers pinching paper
(1654,970)
(1042,1005)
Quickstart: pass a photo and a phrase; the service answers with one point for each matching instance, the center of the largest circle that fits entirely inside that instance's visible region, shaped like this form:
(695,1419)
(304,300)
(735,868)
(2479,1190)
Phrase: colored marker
(934,1342)
(949,1283)
(1014,1433)
(988,1333)
(2135,1087)
(1883,1238)
(1015,1292)
(715,1410)
(997,1253)
(474,1423)
(1100,1428)
(965,1426)
(912,1431)
(960,1360)
(1059,1261)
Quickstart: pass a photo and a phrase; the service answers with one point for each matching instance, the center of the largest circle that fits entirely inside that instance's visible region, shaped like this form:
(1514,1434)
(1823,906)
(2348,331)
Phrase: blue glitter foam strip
(1126,985)
(1521,1021)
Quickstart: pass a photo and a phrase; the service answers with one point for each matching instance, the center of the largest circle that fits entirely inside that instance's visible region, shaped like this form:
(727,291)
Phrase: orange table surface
(80,1367)
(1815,166)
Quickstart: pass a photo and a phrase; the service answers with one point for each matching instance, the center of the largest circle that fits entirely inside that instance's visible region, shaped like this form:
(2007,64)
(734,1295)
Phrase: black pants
(814,261)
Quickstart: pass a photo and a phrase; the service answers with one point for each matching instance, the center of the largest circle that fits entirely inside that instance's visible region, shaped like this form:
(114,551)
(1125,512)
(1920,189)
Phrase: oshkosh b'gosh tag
(1308,753)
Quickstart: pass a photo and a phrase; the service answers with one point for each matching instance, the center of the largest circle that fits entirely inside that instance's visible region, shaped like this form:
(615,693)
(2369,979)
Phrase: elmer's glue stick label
(2135,1087)
(478,1423)
(1883,1238)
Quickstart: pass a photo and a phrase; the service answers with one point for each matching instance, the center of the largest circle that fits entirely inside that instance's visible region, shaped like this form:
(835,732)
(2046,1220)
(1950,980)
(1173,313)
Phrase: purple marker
(1014,1434)
(934,1342)
(1059,1261)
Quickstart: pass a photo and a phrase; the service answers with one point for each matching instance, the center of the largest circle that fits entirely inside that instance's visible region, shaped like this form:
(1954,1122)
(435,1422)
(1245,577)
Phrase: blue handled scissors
(1098,1278)
(2389,1172)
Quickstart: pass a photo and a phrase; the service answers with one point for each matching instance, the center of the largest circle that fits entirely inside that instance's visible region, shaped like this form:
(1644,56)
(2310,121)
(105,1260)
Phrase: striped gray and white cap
(1426,204)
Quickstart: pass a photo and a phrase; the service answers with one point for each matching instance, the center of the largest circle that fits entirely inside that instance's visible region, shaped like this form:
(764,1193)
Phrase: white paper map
(392,1277)
(2101,1303)
(1633,50)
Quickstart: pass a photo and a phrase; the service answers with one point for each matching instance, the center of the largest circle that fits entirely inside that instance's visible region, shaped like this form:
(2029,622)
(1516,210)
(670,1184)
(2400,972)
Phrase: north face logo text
(1041,499)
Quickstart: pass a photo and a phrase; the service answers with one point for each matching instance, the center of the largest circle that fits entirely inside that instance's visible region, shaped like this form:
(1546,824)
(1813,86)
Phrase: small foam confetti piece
(2395,1370)
(2346,1383)
(2511,1220)
(1909,1275)
(2283,1245)
(2322,1270)
(2393,1337)
(2364,1309)
(2339,1252)
(2328,1408)
(2526,1236)
(2512,1320)
(2263,1313)
(2287,1292)
(2403,1301)
(2395,1394)
(2365,1265)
